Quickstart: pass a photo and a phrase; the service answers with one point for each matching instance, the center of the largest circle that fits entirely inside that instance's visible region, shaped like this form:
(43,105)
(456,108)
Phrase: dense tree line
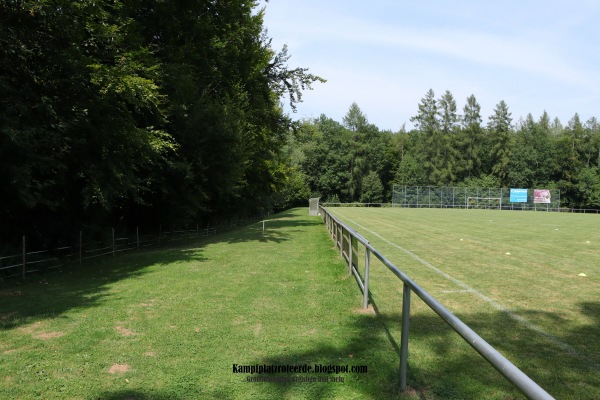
(138,112)
(353,161)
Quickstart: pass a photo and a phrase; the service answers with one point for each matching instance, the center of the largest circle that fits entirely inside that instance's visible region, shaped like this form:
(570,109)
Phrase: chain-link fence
(466,197)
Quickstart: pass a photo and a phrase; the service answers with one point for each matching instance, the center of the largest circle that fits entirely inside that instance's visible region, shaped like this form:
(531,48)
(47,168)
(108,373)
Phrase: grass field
(514,277)
(170,323)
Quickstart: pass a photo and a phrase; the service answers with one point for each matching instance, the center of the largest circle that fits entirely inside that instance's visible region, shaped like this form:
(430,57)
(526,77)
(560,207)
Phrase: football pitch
(527,282)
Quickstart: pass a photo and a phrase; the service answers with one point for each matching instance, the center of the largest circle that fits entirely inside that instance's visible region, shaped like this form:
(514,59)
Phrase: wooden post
(159,233)
(80,247)
(173,234)
(24,258)
(113,235)
(137,236)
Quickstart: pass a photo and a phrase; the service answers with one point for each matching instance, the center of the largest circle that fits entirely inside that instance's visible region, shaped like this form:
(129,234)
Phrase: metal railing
(347,240)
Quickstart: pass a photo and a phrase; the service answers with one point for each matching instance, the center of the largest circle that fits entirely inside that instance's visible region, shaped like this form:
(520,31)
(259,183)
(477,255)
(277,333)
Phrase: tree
(449,126)
(355,119)
(372,189)
(409,172)
(470,140)
(431,147)
(591,146)
(588,188)
(134,111)
(326,157)
(499,141)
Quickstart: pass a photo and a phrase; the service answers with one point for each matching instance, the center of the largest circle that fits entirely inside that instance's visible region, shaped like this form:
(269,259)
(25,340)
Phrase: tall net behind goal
(474,197)
(484,202)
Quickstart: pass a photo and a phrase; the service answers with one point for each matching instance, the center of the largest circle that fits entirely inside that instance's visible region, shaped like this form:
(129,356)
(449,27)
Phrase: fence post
(341,239)
(113,235)
(24,257)
(366,291)
(80,247)
(404,337)
(349,253)
(159,233)
(173,234)
(137,236)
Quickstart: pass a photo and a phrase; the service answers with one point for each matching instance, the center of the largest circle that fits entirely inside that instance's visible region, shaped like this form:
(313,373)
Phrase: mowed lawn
(170,323)
(527,282)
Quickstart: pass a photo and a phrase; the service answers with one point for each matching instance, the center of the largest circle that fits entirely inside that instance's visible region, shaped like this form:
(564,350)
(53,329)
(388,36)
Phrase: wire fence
(30,261)
(475,206)
(476,197)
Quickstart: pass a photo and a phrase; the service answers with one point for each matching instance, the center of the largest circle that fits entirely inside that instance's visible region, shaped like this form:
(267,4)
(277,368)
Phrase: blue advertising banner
(518,195)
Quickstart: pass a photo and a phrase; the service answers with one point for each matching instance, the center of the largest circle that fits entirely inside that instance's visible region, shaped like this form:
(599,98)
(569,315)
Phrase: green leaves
(139,111)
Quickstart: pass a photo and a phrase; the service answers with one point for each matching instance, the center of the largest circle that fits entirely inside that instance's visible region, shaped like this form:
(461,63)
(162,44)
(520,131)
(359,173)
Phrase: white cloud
(386,55)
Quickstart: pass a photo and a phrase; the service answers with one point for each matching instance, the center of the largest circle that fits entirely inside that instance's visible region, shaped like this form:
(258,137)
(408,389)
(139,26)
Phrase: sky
(385,55)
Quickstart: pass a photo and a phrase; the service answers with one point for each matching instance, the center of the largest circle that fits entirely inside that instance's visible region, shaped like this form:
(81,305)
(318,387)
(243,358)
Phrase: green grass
(527,299)
(170,323)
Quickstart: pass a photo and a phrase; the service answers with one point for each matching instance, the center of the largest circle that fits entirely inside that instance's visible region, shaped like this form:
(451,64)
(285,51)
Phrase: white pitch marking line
(457,291)
(496,305)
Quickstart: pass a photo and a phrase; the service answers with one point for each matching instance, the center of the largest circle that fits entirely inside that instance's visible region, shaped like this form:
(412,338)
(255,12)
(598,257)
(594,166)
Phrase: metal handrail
(513,374)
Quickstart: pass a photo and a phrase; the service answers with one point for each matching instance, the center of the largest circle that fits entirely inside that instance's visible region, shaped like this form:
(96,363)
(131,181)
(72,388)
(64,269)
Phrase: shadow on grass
(441,364)
(53,293)
(277,228)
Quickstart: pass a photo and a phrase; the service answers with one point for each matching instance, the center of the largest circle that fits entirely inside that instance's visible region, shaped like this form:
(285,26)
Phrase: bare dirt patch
(118,369)
(31,328)
(11,351)
(365,311)
(149,303)
(124,331)
(49,335)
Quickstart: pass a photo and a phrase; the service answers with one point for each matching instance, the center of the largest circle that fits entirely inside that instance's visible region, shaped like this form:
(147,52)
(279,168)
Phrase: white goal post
(313,206)
(485,198)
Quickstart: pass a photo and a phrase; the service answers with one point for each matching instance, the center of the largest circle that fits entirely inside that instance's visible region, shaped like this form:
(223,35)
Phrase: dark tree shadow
(455,371)
(78,286)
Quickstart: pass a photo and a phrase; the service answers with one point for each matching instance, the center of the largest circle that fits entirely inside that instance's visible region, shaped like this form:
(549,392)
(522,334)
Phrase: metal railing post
(404,337)
(366,291)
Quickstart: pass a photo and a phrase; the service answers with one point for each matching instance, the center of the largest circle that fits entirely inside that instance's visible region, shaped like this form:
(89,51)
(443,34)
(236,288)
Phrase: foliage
(139,112)
(372,189)
(450,149)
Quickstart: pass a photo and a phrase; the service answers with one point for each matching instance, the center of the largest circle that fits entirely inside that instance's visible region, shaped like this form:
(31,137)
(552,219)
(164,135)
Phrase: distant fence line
(523,208)
(31,261)
(472,197)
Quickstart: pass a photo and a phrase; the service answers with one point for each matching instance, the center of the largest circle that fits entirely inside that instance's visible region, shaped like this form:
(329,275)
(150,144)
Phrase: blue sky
(385,55)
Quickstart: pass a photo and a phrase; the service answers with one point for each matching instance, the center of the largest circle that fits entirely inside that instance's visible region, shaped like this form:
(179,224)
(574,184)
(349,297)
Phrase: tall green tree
(372,189)
(449,127)
(431,144)
(499,141)
(127,111)
(470,140)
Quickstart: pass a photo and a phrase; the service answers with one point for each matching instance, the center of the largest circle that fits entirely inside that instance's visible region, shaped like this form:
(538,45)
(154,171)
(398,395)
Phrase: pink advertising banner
(541,196)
